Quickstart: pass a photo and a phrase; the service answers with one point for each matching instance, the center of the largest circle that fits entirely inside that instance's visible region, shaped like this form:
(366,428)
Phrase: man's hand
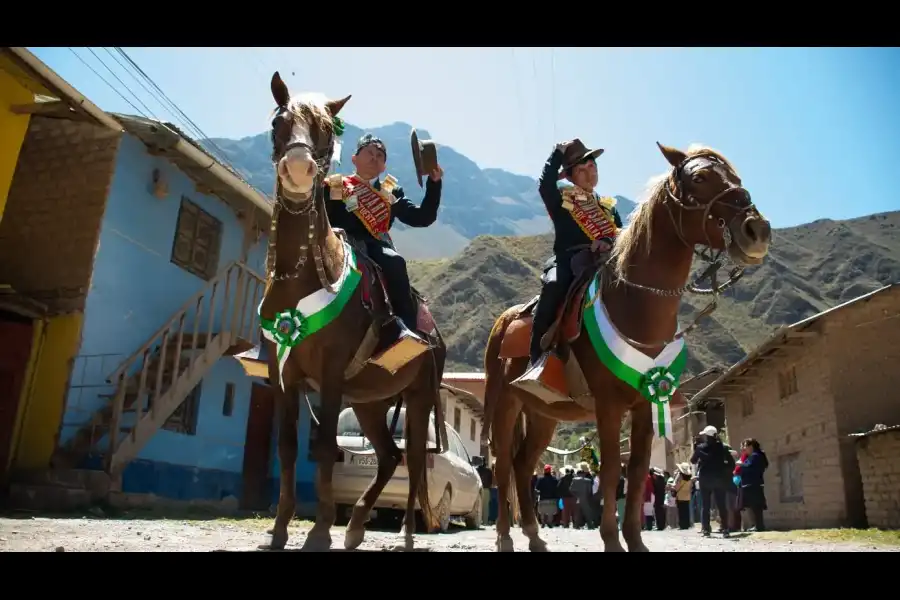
(437,173)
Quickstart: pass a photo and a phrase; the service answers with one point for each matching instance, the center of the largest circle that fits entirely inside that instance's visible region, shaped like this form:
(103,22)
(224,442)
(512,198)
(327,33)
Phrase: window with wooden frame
(472,429)
(791,475)
(787,383)
(457,418)
(184,419)
(198,238)
(747,403)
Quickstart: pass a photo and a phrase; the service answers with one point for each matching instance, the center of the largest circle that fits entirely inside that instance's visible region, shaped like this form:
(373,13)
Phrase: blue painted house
(154,397)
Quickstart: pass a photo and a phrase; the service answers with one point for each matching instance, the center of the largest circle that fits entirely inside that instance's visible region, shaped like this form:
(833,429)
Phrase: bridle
(689,204)
(322,154)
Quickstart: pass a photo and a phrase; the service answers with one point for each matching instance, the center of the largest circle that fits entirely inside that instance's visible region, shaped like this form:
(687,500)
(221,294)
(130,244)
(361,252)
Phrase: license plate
(366,460)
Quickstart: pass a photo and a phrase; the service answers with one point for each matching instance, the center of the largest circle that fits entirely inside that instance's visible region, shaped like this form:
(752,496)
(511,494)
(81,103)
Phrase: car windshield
(348,426)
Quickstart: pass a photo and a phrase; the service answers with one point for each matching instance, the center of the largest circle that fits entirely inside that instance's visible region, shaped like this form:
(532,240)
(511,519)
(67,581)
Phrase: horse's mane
(310,107)
(640,229)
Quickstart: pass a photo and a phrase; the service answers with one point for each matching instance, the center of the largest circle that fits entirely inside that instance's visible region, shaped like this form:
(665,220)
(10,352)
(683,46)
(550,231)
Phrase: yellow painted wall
(12,129)
(44,398)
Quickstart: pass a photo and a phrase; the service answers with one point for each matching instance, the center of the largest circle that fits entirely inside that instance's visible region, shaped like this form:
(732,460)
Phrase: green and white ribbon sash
(655,378)
(313,313)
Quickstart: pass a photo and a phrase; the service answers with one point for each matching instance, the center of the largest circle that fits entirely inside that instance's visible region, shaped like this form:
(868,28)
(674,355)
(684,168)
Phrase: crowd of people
(718,482)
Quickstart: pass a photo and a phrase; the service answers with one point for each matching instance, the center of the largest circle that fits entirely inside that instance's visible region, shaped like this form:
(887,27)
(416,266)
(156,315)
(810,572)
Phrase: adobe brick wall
(804,423)
(879,465)
(864,351)
(50,229)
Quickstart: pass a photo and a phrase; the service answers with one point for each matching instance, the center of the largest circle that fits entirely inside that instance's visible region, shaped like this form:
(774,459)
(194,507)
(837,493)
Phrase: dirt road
(35,534)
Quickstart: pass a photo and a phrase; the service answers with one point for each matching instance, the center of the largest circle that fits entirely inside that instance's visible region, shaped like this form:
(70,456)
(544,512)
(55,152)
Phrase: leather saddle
(374,282)
(566,326)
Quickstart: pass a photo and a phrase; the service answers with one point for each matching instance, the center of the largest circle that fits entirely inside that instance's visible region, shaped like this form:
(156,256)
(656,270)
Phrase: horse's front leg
(287,408)
(325,452)
(372,421)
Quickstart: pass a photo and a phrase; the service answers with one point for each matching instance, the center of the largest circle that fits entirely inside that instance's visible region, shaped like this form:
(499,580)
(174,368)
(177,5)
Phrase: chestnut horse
(309,260)
(702,202)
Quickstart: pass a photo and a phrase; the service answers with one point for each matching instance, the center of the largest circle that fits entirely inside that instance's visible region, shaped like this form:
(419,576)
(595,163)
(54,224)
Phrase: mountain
(810,268)
(474,201)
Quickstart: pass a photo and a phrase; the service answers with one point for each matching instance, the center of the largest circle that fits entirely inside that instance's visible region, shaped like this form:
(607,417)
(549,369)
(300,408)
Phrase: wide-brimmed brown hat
(574,153)
(424,155)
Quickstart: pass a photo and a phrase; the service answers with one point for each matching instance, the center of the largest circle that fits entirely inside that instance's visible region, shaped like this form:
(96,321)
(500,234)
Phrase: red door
(15,349)
(258,448)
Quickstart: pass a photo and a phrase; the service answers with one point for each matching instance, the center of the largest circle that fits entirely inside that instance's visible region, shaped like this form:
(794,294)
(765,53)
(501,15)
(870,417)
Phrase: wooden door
(258,448)
(15,350)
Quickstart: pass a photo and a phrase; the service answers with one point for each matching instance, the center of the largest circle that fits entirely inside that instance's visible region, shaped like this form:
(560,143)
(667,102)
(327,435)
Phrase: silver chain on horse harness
(715,262)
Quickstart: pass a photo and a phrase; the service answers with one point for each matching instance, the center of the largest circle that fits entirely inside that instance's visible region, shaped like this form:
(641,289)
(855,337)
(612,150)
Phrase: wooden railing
(158,376)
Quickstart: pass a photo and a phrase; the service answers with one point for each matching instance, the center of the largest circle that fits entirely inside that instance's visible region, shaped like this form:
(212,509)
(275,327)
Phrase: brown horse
(329,297)
(700,202)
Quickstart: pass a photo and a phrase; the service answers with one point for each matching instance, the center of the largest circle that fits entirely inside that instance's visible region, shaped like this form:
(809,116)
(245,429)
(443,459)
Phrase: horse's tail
(493,368)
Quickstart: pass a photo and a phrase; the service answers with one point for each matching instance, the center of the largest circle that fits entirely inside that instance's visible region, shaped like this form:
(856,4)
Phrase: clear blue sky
(814,132)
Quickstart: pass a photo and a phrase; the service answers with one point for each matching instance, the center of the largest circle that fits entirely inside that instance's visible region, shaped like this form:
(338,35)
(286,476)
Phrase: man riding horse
(366,211)
(580,218)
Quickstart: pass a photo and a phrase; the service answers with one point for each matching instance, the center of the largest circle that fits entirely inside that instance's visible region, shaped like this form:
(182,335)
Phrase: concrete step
(51,498)
(95,483)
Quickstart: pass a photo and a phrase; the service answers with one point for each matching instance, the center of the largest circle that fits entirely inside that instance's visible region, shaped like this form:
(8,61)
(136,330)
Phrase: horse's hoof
(505,544)
(537,545)
(353,538)
(613,547)
(408,545)
(639,547)
(276,542)
(317,543)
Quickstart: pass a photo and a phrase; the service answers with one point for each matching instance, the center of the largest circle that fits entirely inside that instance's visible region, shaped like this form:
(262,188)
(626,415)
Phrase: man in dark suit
(580,217)
(365,207)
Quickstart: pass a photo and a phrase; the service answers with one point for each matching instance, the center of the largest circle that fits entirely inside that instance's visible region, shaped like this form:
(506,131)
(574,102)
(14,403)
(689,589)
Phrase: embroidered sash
(371,206)
(590,213)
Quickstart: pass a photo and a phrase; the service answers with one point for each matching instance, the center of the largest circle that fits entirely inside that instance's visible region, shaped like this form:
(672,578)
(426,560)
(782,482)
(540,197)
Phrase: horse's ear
(334,106)
(673,155)
(280,91)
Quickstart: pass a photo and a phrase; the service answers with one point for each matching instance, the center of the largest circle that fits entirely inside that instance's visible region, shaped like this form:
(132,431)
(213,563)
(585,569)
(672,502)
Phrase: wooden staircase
(153,382)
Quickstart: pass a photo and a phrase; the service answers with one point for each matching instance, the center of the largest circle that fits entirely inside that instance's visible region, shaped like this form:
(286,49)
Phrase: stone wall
(879,465)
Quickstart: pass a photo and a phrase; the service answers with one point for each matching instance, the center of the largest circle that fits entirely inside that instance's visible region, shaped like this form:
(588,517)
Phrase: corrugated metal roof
(875,431)
(161,137)
(472,376)
(779,338)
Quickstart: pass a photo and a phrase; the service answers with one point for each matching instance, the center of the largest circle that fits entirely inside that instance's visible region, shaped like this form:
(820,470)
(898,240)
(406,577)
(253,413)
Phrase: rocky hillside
(810,268)
(475,201)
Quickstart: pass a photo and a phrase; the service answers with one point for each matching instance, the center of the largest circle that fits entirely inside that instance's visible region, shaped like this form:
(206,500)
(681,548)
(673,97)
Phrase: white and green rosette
(655,378)
(312,314)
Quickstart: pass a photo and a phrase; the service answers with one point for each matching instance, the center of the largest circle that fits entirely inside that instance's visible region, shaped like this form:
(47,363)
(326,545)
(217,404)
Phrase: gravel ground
(36,534)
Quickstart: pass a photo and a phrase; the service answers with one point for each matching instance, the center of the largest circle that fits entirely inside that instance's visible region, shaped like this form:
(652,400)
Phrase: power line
(553,89)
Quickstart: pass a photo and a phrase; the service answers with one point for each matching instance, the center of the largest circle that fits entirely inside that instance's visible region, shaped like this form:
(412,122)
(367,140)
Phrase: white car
(454,486)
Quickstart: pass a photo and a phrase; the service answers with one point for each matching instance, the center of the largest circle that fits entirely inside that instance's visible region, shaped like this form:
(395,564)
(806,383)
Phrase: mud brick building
(803,392)
(878,452)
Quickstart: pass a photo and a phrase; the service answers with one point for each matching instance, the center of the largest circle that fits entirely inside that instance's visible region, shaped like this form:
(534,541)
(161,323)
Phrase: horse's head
(302,140)
(712,207)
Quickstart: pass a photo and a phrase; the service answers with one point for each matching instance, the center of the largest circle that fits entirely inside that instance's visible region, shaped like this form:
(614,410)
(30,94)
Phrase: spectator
(751,494)
(683,485)
(649,509)
(620,496)
(582,486)
(487,482)
(659,497)
(548,497)
(714,471)
(567,498)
